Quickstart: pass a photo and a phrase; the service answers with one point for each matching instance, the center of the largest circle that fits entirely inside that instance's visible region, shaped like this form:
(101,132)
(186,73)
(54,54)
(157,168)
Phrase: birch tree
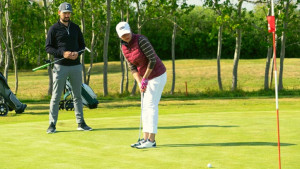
(46,25)
(105,50)
(238,43)
(1,35)
(223,11)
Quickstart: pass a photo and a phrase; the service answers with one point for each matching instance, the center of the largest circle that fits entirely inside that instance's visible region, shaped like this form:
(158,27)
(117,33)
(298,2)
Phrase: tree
(223,11)
(96,17)
(6,40)
(83,32)
(176,13)
(285,7)
(46,23)
(1,35)
(238,42)
(120,5)
(105,60)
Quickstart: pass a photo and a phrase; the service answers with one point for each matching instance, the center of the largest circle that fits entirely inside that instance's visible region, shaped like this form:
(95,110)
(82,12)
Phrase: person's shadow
(228,144)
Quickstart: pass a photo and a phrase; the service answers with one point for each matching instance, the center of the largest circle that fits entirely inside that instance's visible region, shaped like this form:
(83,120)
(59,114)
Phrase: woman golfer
(150,74)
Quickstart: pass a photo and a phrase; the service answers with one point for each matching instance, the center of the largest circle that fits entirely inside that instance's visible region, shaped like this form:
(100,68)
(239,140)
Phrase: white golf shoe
(137,143)
(147,144)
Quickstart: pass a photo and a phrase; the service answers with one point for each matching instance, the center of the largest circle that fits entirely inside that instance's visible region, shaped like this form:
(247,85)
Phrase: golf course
(229,130)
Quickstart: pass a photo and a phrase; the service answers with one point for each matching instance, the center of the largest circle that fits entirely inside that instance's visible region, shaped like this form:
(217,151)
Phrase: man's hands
(144,84)
(70,55)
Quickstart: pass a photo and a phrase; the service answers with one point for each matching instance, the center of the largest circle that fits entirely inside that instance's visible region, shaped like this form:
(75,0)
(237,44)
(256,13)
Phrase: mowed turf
(200,76)
(228,133)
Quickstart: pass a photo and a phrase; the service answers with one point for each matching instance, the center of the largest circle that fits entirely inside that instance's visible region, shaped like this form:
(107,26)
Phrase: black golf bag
(8,101)
(88,96)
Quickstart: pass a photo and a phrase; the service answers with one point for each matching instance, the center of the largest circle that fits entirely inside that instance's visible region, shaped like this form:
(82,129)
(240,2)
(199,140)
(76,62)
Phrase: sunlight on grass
(228,133)
(200,75)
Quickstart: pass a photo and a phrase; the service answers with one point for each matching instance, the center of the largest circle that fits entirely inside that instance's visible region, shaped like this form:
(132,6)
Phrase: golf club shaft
(46,65)
(40,67)
(142,100)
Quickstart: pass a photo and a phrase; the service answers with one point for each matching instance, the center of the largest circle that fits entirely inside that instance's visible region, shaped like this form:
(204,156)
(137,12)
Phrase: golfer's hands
(144,84)
(70,55)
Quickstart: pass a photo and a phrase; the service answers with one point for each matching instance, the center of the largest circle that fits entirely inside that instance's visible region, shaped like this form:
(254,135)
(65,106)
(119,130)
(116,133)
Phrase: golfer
(150,74)
(64,39)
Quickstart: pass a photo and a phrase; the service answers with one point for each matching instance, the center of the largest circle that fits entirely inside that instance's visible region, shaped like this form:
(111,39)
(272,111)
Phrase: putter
(141,117)
(48,64)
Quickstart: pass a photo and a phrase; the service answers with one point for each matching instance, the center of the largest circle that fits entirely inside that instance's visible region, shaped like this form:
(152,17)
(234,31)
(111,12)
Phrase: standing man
(150,73)
(64,39)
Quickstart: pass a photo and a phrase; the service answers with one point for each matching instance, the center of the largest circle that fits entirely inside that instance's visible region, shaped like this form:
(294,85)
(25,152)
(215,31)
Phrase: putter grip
(40,67)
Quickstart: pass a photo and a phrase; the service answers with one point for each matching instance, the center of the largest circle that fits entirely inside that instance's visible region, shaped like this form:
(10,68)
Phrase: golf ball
(209,165)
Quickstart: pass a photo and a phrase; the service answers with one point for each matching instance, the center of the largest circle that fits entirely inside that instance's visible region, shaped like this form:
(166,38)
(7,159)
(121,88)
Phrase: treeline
(196,36)
(218,29)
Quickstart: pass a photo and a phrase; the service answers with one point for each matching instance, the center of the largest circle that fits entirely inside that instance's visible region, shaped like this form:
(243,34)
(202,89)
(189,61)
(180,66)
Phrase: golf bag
(88,96)
(8,101)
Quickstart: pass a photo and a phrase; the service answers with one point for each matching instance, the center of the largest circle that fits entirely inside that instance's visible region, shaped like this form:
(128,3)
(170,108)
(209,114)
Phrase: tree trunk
(50,73)
(238,41)
(15,61)
(219,56)
(83,32)
(236,59)
(1,52)
(126,66)
(133,91)
(127,12)
(173,57)
(283,40)
(105,51)
(1,35)
(122,59)
(269,55)
(8,51)
(92,48)
(9,41)
(267,69)
(127,78)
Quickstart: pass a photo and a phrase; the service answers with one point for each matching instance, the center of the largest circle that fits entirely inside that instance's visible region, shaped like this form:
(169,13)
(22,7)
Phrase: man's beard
(64,20)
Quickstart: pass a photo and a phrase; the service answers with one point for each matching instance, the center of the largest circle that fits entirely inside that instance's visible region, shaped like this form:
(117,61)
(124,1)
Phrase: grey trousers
(60,74)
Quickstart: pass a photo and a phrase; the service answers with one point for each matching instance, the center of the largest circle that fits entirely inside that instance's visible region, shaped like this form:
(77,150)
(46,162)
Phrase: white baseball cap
(123,28)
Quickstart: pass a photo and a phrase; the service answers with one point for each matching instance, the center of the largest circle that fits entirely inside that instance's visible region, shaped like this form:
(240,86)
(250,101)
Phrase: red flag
(271,24)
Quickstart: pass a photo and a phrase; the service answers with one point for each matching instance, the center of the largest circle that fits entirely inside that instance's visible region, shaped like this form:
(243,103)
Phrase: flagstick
(276,87)
(276,95)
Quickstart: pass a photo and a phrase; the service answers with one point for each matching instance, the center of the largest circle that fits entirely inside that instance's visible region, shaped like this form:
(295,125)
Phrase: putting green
(229,134)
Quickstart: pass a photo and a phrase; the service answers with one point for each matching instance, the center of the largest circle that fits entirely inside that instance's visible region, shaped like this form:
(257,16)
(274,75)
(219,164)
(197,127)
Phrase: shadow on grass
(68,131)
(40,113)
(231,144)
(164,127)
(37,107)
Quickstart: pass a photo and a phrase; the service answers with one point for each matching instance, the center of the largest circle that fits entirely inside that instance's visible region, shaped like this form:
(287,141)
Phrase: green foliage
(196,33)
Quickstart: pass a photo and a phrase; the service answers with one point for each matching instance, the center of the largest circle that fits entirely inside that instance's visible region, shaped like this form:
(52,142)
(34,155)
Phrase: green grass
(200,75)
(228,133)
(230,130)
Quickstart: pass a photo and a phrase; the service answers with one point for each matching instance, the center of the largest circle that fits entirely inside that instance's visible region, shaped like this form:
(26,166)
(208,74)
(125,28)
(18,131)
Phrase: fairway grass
(228,133)
(199,75)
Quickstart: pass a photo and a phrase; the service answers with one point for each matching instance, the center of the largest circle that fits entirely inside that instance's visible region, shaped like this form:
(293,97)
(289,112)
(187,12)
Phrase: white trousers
(151,98)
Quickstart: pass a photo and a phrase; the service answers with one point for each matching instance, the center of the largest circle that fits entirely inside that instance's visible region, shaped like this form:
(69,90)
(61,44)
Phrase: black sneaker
(51,129)
(22,109)
(83,127)
(137,143)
